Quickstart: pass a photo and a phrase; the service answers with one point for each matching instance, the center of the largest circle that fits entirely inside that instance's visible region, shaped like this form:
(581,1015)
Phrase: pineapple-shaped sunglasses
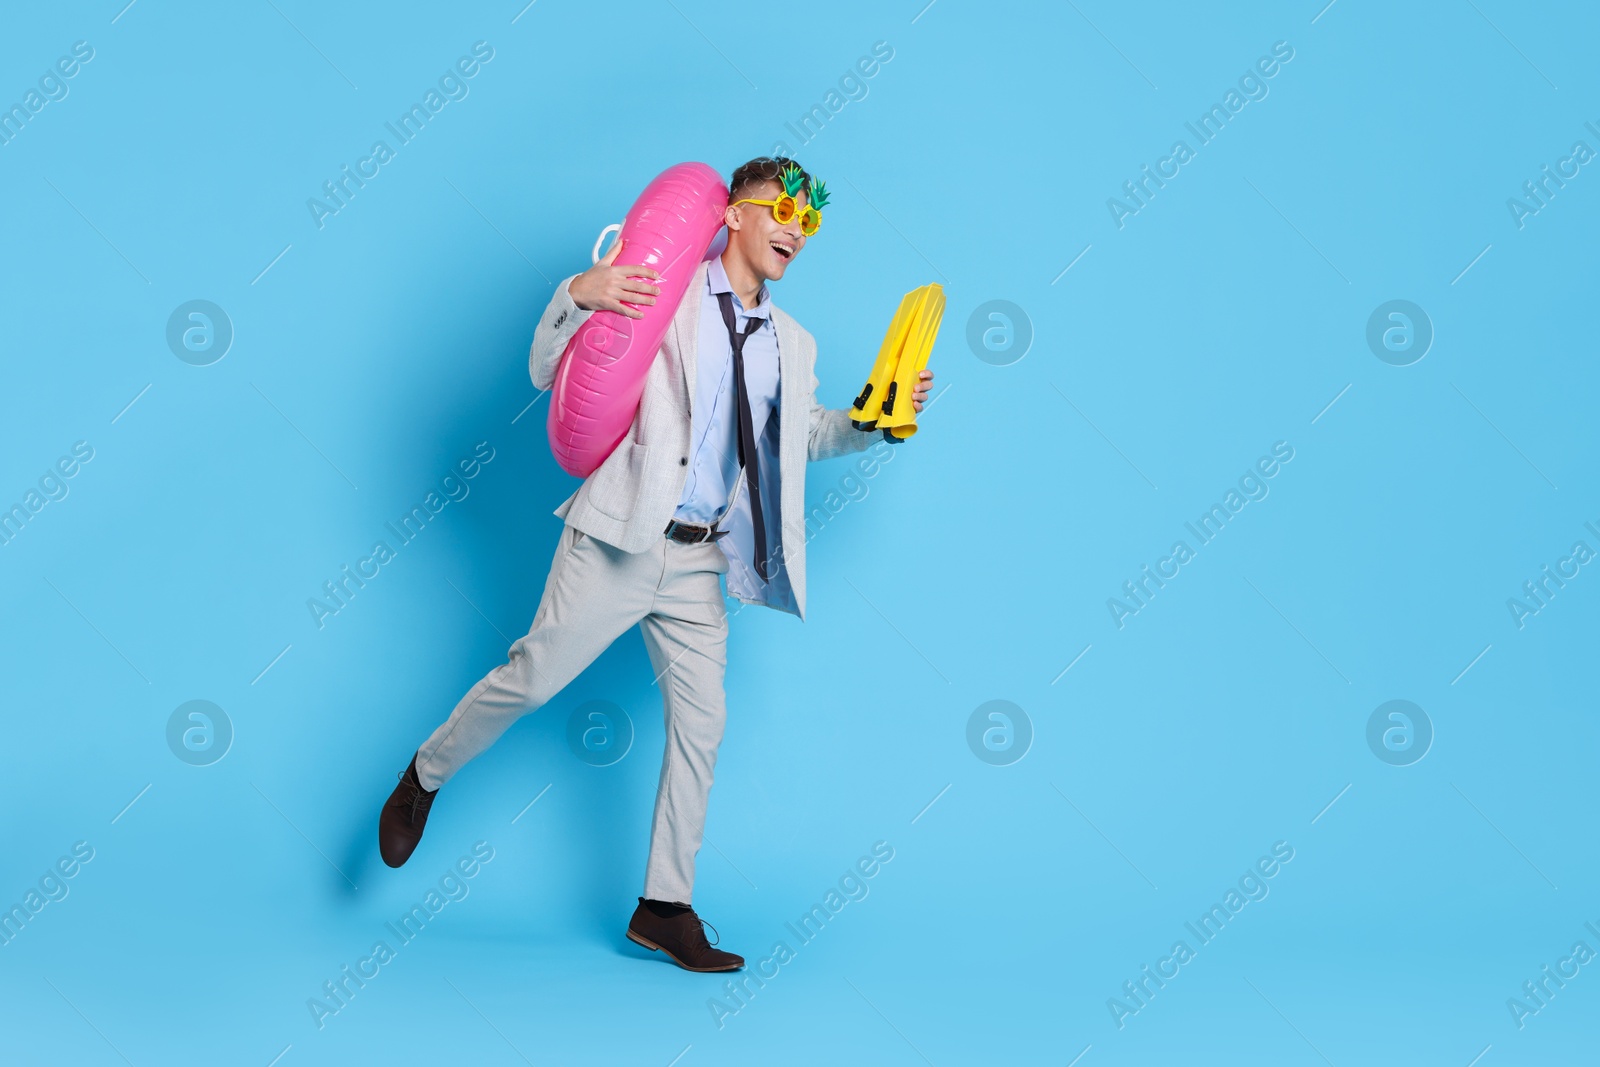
(786,207)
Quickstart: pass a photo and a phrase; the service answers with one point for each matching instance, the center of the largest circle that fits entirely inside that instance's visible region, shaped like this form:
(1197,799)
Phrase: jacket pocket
(614,488)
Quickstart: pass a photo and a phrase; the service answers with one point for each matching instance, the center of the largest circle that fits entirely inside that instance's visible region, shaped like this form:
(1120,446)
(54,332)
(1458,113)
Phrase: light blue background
(1226,716)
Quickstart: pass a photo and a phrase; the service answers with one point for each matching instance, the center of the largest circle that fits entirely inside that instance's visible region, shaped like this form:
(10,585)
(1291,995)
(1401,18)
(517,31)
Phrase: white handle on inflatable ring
(615,227)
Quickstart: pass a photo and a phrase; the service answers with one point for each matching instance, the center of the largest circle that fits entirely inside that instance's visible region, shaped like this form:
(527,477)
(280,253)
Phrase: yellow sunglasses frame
(801,211)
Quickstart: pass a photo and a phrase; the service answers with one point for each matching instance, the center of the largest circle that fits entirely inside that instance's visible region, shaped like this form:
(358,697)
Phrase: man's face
(766,244)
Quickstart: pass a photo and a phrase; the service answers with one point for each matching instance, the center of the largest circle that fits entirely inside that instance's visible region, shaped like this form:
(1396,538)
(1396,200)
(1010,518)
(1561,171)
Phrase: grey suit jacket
(629,499)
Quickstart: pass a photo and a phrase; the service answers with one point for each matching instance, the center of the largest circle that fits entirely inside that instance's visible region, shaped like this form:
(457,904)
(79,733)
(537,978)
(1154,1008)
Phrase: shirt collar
(717,280)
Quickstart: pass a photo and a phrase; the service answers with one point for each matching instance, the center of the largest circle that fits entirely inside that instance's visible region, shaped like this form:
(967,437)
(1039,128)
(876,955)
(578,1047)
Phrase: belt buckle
(707,532)
(674,525)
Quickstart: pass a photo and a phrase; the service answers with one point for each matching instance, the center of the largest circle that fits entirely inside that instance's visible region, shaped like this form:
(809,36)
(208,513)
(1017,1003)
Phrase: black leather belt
(691,533)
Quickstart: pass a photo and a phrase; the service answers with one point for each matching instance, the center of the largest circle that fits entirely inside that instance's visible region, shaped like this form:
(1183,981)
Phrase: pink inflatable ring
(601,376)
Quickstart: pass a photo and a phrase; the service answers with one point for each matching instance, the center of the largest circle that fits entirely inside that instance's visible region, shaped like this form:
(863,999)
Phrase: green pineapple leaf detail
(817,194)
(792,180)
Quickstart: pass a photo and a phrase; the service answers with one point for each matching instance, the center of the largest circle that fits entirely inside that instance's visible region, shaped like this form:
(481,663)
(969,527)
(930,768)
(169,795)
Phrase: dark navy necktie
(746,435)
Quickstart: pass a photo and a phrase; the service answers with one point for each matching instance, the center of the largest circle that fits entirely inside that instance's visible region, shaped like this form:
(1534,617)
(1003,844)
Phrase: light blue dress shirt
(714,470)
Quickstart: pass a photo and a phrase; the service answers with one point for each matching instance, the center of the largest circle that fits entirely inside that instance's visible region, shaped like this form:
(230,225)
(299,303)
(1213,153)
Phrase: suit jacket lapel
(790,414)
(685,330)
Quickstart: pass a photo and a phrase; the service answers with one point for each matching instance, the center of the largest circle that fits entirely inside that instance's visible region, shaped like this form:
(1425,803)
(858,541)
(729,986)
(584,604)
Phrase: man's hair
(758,170)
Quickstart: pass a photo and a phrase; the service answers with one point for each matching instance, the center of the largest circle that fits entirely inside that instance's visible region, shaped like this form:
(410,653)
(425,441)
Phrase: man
(687,497)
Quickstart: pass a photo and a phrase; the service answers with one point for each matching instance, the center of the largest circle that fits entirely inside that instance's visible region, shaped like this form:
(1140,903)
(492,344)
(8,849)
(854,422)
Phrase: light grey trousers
(594,593)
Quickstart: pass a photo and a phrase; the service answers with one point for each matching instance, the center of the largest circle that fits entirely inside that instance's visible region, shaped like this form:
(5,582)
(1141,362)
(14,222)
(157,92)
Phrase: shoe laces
(702,932)
(419,801)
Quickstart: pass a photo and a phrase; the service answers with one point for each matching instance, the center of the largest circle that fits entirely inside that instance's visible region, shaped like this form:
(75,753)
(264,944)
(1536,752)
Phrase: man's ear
(731,217)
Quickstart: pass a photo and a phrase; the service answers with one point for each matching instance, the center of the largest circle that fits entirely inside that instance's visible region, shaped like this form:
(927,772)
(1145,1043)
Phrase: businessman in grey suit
(708,485)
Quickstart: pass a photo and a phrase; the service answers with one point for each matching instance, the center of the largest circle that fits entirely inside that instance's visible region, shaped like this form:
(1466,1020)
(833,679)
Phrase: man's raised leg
(593,594)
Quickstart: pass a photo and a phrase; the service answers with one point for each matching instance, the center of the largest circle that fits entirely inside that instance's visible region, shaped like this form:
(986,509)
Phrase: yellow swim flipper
(896,413)
(864,415)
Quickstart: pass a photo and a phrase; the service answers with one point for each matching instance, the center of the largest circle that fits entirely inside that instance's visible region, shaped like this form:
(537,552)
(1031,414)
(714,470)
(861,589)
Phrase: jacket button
(683,461)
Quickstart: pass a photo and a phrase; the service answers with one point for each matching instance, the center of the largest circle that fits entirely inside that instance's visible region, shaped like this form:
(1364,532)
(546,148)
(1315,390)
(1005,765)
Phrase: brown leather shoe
(681,938)
(405,813)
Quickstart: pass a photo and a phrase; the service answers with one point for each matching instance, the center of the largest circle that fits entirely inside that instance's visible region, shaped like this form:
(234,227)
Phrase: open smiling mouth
(785,252)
